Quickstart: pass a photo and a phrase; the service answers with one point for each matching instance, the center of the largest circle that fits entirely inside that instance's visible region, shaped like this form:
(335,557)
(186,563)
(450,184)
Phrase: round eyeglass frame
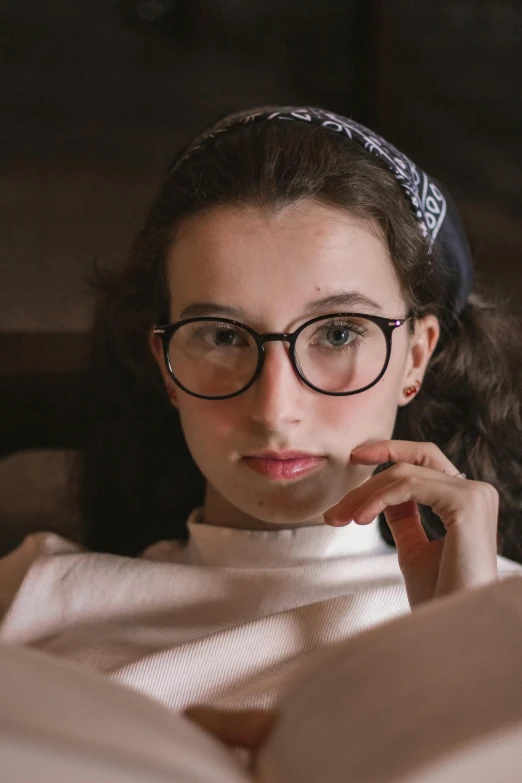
(386,325)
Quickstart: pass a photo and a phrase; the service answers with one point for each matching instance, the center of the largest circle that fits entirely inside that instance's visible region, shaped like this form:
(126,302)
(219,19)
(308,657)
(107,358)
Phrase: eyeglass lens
(216,359)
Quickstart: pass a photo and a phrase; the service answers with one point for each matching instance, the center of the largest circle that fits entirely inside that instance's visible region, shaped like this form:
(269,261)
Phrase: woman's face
(268,271)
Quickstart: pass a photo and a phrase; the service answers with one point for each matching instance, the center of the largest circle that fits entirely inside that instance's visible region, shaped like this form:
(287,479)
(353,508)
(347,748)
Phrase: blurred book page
(407,696)
(434,696)
(496,759)
(60,723)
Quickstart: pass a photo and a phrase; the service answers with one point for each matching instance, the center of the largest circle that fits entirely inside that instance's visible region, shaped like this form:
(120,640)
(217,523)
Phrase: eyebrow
(349,299)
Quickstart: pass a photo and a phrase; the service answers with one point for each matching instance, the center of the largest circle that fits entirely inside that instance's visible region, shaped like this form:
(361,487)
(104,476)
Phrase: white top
(237,548)
(459,722)
(222,621)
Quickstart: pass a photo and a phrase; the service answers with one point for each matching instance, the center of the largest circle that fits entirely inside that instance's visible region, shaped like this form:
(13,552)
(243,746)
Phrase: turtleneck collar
(215,545)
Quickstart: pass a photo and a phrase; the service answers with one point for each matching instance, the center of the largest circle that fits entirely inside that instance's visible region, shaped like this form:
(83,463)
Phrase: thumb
(244,728)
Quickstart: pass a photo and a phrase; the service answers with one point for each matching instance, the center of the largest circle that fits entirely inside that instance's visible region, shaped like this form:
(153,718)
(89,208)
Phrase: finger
(424,454)
(447,497)
(405,524)
(244,728)
(344,511)
(468,511)
(444,497)
(470,552)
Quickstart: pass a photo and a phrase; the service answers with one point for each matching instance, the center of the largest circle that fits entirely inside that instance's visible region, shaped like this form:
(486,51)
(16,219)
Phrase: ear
(422,344)
(156,347)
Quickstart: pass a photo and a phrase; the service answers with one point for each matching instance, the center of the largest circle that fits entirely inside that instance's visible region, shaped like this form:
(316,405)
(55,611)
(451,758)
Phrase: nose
(277,394)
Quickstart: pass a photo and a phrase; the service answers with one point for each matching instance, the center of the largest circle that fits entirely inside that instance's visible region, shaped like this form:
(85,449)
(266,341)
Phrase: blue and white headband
(434,210)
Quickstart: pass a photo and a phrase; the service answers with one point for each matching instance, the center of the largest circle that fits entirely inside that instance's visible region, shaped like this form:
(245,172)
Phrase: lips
(283,465)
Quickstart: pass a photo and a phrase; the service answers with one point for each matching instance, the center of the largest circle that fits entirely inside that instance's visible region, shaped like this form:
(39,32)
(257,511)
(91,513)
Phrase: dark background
(97,96)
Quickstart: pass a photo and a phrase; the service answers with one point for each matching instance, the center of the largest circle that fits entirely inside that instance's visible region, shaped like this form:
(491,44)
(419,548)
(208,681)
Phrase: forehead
(270,265)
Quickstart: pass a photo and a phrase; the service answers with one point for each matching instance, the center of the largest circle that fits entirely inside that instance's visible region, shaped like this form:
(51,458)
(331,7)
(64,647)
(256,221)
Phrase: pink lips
(284,465)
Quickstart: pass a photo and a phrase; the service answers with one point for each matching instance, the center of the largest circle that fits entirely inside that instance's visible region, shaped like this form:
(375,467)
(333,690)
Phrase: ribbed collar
(215,545)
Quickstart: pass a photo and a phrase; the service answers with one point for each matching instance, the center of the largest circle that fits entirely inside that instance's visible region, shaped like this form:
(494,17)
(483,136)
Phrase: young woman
(303,419)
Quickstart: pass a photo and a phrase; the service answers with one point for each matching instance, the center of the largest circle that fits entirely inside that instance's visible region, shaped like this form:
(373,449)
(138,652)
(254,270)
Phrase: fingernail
(332,520)
(336,522)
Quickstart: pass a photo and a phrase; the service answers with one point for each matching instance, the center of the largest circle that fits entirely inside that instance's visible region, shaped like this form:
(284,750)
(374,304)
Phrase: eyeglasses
(338,354)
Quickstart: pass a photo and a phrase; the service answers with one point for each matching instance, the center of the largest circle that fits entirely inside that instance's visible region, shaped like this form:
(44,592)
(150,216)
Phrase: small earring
(412,389)
(172,395)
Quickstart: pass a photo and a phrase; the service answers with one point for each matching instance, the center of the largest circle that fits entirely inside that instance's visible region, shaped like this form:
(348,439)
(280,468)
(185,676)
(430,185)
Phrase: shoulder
(15,565)
(165,551)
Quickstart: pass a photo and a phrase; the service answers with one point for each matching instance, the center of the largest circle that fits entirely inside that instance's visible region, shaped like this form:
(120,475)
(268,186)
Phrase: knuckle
(410,482)
(490,492)
(402,472)
(486,494)
(399,469)
(432,447)
(426,453)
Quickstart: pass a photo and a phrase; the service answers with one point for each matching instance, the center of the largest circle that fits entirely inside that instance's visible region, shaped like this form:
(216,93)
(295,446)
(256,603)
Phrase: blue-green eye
(338,335)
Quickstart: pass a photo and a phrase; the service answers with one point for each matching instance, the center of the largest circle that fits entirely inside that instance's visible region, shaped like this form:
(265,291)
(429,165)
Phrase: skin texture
(269,267)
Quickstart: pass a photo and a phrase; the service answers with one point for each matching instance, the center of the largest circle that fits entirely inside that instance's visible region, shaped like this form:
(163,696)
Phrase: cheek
(205,423)
(371,413)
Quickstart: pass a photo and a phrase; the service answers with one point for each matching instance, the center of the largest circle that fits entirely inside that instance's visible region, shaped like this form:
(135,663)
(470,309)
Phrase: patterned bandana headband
(434,210)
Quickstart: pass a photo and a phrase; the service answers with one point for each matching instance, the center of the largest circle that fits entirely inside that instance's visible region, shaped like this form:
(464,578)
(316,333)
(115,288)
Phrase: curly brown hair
(137,479)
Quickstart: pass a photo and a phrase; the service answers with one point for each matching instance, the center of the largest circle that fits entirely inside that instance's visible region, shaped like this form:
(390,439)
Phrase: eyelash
(354,328)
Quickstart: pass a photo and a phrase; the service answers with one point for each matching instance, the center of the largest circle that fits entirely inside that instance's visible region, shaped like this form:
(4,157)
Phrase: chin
(285,504)
(285,508)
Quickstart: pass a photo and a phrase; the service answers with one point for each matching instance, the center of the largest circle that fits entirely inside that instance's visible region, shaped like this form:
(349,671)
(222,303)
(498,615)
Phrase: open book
(435,696)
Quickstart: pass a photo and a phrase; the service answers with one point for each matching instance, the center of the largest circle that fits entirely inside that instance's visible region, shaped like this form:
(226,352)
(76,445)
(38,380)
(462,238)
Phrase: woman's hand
(235,728)
(466,557)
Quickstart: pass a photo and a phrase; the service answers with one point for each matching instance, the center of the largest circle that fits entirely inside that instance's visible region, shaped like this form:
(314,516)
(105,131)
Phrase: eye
(212,335)
(337,335)
(224,336)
